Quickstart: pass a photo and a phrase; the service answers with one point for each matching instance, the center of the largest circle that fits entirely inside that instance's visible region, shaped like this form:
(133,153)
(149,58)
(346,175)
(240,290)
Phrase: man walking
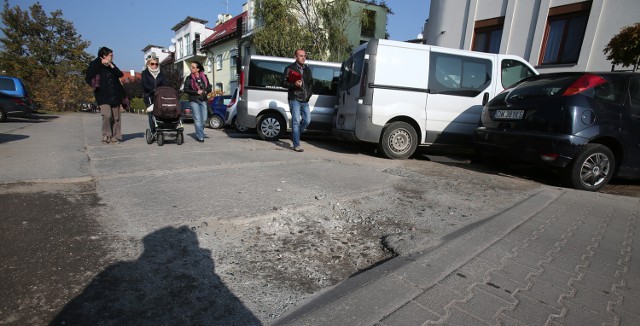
(298,80)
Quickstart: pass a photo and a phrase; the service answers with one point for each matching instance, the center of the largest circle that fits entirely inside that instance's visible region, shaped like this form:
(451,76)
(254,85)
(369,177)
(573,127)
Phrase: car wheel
(3,116)
(592,168)
(239,127)
(399,140)
(148,135)
(271,126)
(160,139)
(180,138)
(215,122)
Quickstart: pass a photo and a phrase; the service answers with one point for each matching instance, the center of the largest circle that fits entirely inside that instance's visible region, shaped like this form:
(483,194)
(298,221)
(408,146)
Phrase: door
(457,86)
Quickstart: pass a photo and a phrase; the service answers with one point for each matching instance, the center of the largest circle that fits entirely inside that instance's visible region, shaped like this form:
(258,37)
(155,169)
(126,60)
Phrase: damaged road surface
(232,231)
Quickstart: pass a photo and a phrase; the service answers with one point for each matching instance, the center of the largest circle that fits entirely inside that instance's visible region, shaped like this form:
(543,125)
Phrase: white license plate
(509,114)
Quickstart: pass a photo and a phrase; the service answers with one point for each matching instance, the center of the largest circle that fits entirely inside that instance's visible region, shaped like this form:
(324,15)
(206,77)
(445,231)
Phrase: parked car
(587,125)
(218,108)
(186,110)
(15,99)
(263,101)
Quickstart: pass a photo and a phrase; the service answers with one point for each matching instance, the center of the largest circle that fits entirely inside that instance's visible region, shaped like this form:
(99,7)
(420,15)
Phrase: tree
(624,47)
(47,53)
(316,25)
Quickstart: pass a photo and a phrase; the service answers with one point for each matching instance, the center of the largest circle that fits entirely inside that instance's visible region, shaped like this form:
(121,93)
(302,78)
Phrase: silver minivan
(263,101)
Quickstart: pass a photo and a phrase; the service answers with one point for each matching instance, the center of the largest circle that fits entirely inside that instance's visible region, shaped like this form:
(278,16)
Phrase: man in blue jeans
(298,80)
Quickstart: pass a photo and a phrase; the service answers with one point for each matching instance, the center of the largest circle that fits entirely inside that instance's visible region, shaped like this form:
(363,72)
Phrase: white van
(263,101)
(401,95)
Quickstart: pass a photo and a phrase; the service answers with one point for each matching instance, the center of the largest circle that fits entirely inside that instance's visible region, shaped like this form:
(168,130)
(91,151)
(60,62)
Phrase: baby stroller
(166,116)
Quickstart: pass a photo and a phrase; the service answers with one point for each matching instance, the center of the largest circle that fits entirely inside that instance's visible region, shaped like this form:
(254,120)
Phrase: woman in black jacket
(152,78)
(197,86)
(104,77)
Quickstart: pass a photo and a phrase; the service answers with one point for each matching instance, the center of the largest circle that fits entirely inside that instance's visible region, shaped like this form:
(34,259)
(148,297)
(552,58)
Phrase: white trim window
(219,62)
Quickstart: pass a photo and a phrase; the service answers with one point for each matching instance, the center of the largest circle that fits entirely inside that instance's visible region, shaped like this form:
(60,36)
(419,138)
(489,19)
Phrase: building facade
(552,35)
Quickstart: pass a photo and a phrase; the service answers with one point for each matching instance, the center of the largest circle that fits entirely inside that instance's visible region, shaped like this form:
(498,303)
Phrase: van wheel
(216,122)
(271,126)
(591,169)
(399,140)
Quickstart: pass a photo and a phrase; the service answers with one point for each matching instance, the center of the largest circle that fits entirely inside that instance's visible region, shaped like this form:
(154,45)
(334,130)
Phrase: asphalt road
(235,230)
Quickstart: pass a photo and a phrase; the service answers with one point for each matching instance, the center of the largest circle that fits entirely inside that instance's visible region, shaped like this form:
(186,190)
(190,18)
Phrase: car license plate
(509,114)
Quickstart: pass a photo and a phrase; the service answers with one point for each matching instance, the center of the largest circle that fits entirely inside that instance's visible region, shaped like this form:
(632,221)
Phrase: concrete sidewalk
(561,257)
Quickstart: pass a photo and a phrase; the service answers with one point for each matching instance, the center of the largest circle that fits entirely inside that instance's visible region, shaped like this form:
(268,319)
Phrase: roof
(127,78)
(223,31)
(151,46)
(186,21)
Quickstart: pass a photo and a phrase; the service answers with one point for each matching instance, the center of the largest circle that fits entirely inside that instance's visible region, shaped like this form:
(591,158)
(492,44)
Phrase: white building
(186,42)
(553,35)
(160,52)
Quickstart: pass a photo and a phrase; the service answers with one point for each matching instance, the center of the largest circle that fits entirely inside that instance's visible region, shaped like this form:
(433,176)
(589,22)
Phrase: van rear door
(349,91)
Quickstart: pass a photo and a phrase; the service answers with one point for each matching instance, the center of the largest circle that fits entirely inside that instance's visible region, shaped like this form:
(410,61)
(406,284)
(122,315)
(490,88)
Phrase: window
(179,49)
(351,70)
(565,31)
(219,88)
(458,75)
(368,23)
(219,62)
(487,35)
(268,74)
(187,43)
(196,41)
(325,80)
(7,84)
(513,71)
(634,92)
(233,57)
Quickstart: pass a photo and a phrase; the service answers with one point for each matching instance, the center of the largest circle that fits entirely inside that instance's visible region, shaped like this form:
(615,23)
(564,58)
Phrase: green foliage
(47,53)
(281,34)
(137,105)
(317,26)
(624,47)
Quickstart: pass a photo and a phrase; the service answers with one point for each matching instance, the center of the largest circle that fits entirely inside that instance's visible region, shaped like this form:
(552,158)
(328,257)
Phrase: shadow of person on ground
(172,283)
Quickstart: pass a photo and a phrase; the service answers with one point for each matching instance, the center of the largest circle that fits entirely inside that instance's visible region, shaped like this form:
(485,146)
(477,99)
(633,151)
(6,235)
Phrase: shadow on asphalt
(5,138)
(172,283)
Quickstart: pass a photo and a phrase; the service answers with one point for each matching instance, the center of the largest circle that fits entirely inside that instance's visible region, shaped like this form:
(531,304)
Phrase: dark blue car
(586,125)
(218,107)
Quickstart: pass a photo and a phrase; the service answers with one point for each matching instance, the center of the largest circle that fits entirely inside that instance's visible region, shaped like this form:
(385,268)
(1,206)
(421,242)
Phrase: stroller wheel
(160,139)
(180,138)
(148,135)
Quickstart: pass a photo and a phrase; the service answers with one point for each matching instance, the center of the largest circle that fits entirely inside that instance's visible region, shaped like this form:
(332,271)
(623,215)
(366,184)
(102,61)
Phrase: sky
(128,26)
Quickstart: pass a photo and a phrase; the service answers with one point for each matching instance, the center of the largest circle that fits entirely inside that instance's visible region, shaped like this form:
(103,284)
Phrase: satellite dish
(173,40)
(172,48)
(219,16)
(419,37)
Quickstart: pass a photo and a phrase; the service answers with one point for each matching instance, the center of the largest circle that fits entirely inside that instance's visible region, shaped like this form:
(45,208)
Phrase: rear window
(7,84)
(352,70)
(555,85)
(268,74)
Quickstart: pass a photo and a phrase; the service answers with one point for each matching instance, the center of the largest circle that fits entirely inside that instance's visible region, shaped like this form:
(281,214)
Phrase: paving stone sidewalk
(561,257)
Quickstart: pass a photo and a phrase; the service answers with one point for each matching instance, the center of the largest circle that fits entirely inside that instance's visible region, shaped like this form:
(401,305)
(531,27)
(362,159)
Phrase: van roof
(291,60)
(419,46)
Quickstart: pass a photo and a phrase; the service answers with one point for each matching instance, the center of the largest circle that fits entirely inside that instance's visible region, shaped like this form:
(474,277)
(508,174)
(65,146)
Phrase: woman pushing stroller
(152,78)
